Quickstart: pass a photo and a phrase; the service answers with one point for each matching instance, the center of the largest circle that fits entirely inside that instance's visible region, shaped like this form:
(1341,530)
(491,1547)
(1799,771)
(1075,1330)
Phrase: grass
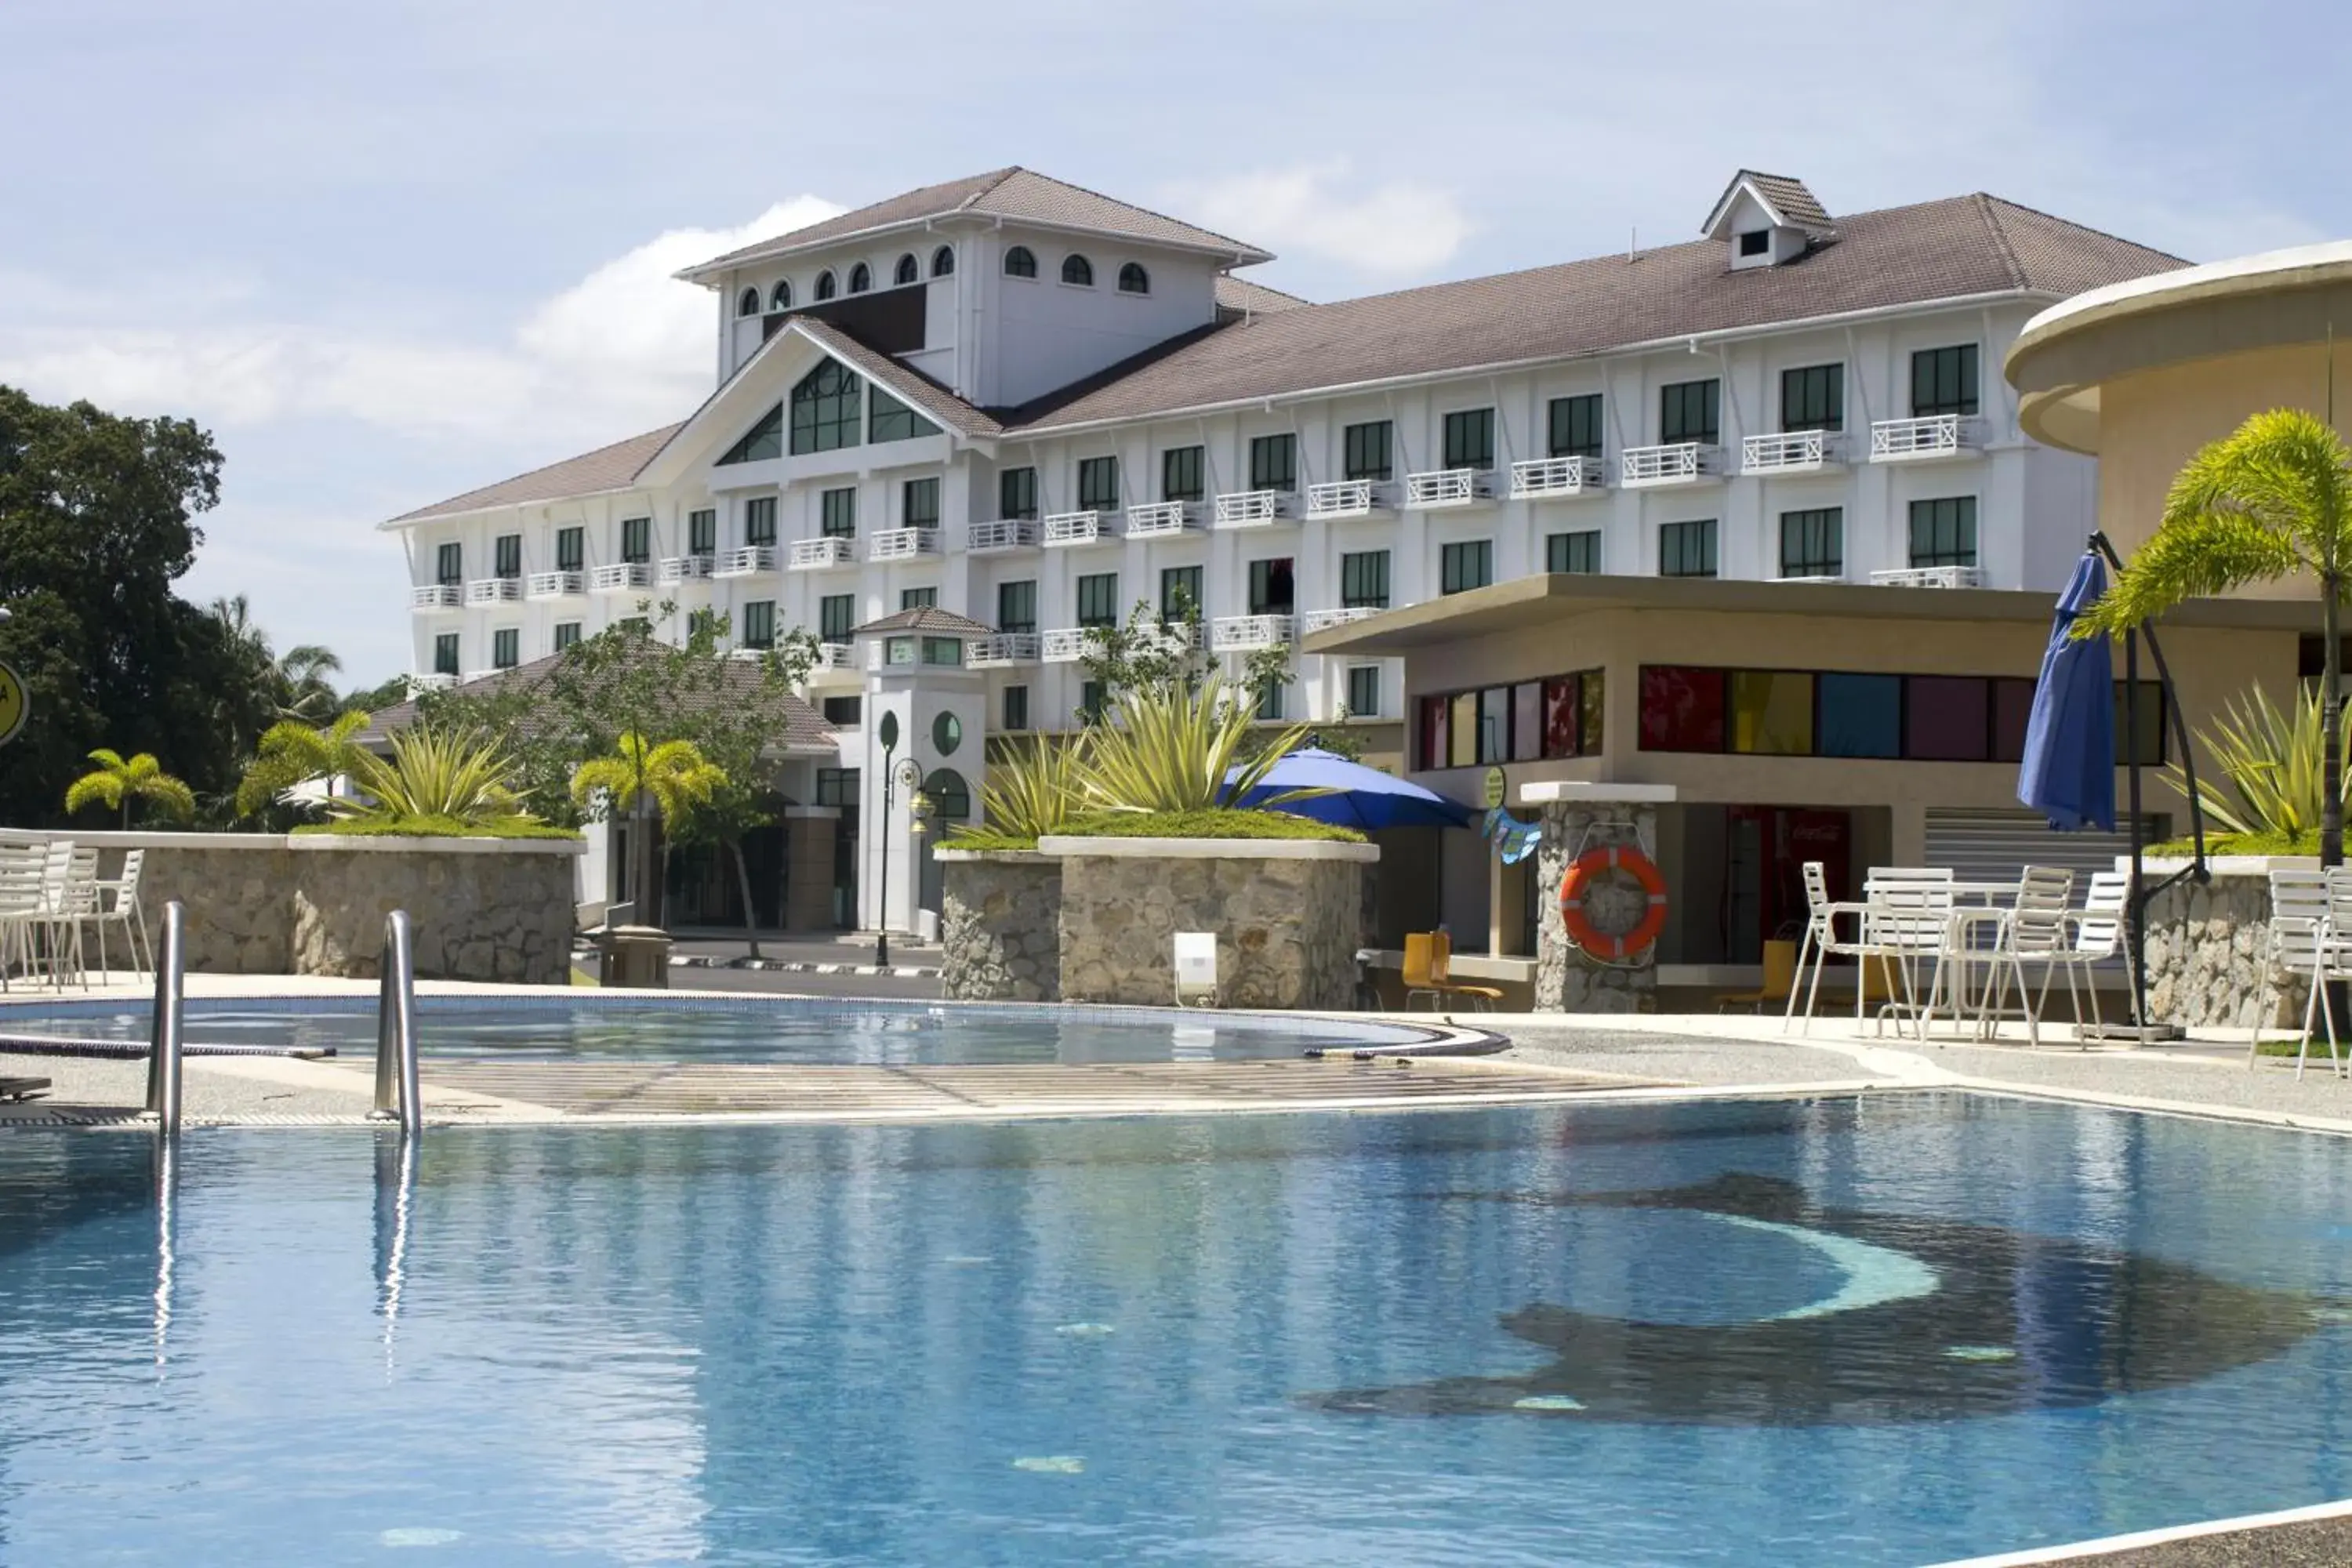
(2244,844)
(2289,1048)
(435,827)
(1219,823)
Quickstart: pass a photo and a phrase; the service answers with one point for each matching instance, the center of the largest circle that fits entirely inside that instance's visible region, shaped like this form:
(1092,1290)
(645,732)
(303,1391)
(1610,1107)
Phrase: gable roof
(1784,197)
(1016,194)
(805,730)
(1245,296)
(925,618)
(900,379)
(602,471)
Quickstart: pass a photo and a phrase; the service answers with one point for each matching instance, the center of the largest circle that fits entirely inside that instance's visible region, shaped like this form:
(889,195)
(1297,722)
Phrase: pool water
(910,1033)
(1894,1330)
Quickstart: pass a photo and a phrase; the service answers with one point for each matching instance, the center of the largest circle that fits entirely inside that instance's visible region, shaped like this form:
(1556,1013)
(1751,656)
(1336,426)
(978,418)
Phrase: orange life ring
(1612,944)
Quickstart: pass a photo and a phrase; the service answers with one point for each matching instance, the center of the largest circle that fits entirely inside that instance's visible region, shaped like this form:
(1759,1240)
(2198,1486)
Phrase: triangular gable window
(826,409)
(762,441)
(894,421)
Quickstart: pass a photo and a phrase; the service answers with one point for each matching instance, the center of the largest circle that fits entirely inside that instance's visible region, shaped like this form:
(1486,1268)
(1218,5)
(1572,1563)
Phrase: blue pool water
(1887,1331)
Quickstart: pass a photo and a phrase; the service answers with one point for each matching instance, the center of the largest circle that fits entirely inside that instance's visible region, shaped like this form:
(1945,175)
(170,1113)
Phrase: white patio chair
(68,884)
(2032,929)
(1819,942)
(118,903)
(2295,943)
(1907,922)
(20,905)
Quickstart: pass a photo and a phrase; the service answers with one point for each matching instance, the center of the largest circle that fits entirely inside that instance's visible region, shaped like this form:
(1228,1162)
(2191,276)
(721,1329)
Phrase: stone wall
(311,904)
(2205,947)
(1568,980)
(1000,926)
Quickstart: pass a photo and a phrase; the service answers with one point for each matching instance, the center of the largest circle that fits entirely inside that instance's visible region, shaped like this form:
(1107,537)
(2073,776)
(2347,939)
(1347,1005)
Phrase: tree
(114,784)
(2272,499)
(292,753)
(670,778)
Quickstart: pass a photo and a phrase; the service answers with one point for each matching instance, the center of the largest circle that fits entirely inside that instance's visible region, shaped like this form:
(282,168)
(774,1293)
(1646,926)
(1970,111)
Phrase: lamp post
(888,732)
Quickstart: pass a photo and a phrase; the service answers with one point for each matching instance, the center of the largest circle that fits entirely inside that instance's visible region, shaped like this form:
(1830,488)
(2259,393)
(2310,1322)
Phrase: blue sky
(391,252)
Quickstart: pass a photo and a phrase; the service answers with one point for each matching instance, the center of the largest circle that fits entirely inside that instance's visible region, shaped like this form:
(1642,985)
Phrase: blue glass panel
(1861,716)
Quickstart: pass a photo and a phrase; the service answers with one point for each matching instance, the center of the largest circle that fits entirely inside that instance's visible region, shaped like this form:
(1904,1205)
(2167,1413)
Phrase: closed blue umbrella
(2069,769)
(1361,797)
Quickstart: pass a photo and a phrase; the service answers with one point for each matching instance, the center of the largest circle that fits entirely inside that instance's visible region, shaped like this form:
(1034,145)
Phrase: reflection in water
(167,1192)
(395,1194)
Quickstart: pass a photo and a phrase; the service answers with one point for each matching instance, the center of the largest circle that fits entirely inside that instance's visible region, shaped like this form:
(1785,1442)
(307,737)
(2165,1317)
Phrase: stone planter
(2205,946)
(999,925)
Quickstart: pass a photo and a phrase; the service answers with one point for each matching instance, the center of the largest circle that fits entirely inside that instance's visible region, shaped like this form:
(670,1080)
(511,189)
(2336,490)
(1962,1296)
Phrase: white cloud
(1314,211)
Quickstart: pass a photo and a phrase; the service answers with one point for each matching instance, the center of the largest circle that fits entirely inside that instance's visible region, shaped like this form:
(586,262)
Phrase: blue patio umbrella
(1363,798)
(2069,769)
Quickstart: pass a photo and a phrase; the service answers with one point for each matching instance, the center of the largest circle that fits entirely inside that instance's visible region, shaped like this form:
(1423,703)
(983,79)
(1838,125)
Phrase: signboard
(1497,788)
(15,705)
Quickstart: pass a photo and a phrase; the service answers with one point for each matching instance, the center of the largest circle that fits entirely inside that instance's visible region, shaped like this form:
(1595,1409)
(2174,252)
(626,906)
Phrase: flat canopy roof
(1550,599)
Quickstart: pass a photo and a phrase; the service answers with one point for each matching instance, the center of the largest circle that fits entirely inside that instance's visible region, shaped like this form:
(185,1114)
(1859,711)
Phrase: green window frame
(1366,450)
(1016,605)
(828,409)
(1944,531)
(924,598)
(449,564)
(1687,549)
(636,539)
(891,420)
(1363,691)
(567,634)
(1577,553)
(508,555)
(944,652)
(1470,438)
(1813,543)
(1691,411)
(1098,484)
(760,519)
(445,654)
(1179,594)
(1016,493)
(836,616)
(506,648)
(1464,566)
(761,442)
(1364,580)
(1274,462)
(1097,597)
(571,549)
(918,503)
(836,512)
(1812,397)
(1016,708)
(759,623)
(1576,429)
(1183,474)
(702,531)
(1944,381)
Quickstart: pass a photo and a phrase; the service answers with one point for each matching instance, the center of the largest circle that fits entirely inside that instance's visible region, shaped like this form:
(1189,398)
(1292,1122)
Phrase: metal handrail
(396,1093)
(171,1016)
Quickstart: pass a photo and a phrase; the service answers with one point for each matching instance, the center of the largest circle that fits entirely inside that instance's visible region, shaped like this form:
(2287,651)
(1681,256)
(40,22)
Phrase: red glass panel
(2012,705)
(1433,732)
(1561,711)
(1945,717)
(1682,708)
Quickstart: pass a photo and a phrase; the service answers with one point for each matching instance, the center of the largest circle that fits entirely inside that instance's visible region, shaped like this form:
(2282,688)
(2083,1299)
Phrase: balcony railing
(439,681)
(555,585)
(436,596)
(689,569)
(1546,478)
(1067,645)
(1000,651)
(749,561)
(1811,577)
(1324,620)
(1448,487)
(1929,577)
(835,656)
(1005,533)
(494,591)
(1241,634)
(1792,452)
(621,577)
(1253,509)
(1158,519)
(751,653)
(1077,528)
(818,554)
(1349,498)
(1676,463)
(903,544)
(1930,437)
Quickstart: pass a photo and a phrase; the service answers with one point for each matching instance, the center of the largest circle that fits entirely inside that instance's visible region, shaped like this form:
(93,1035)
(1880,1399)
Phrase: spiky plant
(2271,758)
(1166,748)
(1033,791)
(454,775)
(292,753)
(114,784)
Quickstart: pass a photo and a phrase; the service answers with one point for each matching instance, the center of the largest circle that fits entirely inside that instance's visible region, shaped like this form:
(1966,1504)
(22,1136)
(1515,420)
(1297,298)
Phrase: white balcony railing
(1002,650)
(903,544)
(1252,509)
(1812,577)
(555,585)
(1158,519)
(1792,452)
(436,596)
(1076,528)
(1172,636)
(751,653)
(688,569)
(1912,440)
(749,561)
(1324,620)
(1349,498)
(1241,634)
(1544,479)
(621,577)
(1676,463)
(835,656)
(494,591)
(1448,487)
(440,681)
(818,554)
(1004,533)
(1929,577)
(1067,645)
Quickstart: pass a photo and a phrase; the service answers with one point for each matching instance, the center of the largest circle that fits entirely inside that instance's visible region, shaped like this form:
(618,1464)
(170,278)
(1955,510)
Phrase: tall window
(506,648)
(760,521)
(1464,566)
(702,531)
(943,261)
(1813,543)
(894,421)
(759,623)
(1182,474)
(1944,381)
(1179,593)
(449,564)
(1576,426)
(566,634)
(837,614)
(509,555)
(1099,484)
(1016,493)
(1470,438)
(861,278)
(1364,580)
(1813,397)
(909,270)
(1098,599)
(920,503)
(1364,450)
(837,513)
(1687,549)
(1363,691)
(1091,698)
(1269,701)
(761,442)
(1020,263)
(826,288)
(1689,411)
(571,549)
(918,598)
(1078,270)
(1944,531)
(1274,462)
(1273,587)
(445,654)
(1016,708)
(1133,279)
(826,409)
(1016,605)
(636,539)
(1577,552)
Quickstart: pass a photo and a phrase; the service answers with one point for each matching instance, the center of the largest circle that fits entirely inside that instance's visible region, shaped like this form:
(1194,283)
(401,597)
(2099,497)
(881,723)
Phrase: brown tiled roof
(1017,193)
(1790,199)
(1249,297)
(900,378)
(925,618)
(591,473)
(1960,247)
(804,727)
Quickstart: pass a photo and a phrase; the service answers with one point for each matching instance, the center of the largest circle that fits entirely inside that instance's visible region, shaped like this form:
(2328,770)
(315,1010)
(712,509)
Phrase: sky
(388,253)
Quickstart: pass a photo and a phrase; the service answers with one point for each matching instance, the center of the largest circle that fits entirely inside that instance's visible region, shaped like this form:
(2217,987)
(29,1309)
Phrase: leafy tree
(2272,499)
(292,753)
(376,699)
(115,784)
(667,779)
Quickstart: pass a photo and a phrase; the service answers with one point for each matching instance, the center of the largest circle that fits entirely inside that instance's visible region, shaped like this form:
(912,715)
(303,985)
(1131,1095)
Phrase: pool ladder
(171,1013)
(397,1094)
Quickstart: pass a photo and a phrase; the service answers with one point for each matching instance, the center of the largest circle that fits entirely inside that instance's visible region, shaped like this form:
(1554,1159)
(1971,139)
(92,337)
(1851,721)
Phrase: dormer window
(1768,220)
(1756,242)
(825,284)
(861,278)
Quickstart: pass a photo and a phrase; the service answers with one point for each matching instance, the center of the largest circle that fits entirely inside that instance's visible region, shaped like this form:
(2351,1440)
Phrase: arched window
(908,270)
(861,278)
(749,305)
(1019,263)
(825,284)
(943,261)
(951,796)
(1079,270)
(1134,279)
(780,299)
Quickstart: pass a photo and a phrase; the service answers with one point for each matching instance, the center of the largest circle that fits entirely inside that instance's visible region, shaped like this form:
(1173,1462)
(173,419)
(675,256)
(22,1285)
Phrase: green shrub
(438,828)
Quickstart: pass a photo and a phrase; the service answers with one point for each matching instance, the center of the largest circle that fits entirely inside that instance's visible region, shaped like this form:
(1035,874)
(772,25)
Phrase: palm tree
(292,753)
(671,778)
(115,784)
(2269,500)
(301,677)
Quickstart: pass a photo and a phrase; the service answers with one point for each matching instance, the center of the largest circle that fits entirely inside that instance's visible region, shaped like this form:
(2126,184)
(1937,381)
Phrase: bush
(2304,843)
(438,828)
(1219,823)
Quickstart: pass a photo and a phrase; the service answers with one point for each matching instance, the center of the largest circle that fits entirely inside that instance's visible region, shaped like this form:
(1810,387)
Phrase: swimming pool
(1889,1330)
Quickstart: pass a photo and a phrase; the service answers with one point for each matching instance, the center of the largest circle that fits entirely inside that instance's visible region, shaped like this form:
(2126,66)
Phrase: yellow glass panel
(1462,731)
(1772,714)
